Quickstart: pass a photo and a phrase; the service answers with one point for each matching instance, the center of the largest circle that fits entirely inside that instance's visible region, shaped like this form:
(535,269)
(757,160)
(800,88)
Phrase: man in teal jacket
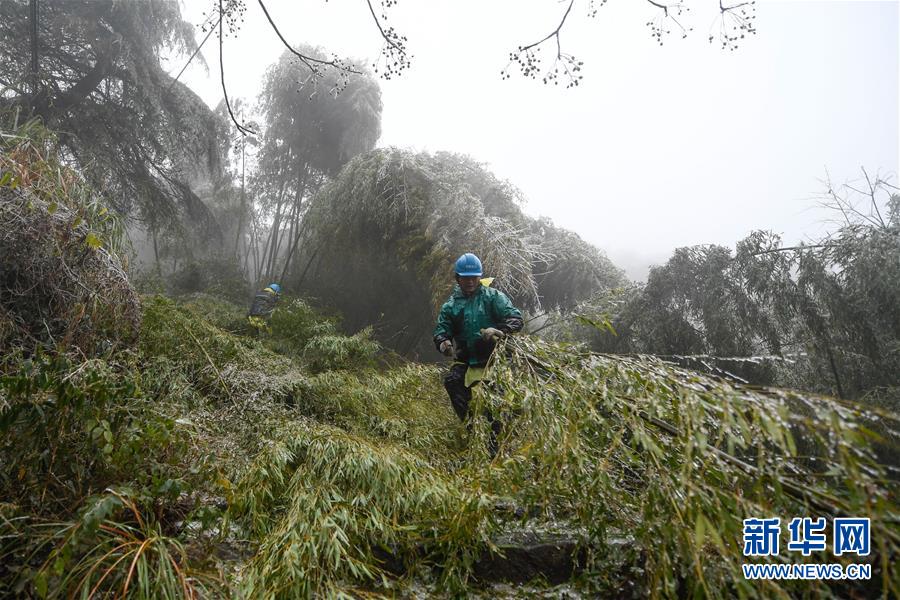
(472,320)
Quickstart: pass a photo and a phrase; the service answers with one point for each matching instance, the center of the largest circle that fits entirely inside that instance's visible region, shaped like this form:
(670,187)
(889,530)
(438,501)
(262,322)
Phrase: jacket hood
(458,293)
(485,283)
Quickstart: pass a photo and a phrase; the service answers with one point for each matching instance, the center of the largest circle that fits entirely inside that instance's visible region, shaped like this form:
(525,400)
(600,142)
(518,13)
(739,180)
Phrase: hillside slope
(329,466)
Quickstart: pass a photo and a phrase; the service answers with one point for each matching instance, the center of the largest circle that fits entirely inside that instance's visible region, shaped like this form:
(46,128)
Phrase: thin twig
(553,33)
(306,60)
(380,28)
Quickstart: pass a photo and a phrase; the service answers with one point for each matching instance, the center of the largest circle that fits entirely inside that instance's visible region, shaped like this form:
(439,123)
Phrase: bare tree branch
(241,128)
(871,194)
(735,22)
(106,53)
(529,61)
(316,66)
(670,12)
(394,50)
(555,32)
(836,198)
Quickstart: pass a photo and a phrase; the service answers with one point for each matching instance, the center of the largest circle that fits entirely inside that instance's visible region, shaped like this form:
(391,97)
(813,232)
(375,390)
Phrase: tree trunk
(293,249)
(35,76)
(834,371)
(240,225)
(254,250)
(295,214)
(273,245)
(292,228)
(301,190)
(156,252)
(273,233)
(309,263)
(273,257)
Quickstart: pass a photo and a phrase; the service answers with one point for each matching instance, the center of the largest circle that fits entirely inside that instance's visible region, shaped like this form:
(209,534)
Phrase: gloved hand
(490,333)
(446,348)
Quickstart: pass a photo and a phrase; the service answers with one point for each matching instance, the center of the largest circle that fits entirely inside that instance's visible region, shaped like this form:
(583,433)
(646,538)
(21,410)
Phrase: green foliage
(698,304)
(294,323)
(220,312)
(220,366)
(326,503)
(346,479)
(63,285)
(632,449)
(227,366)
(30,159)
(111,548)
(673,460)
(822,317)
(69,430)
(357,481)
(406,405)
(404,409)
(72,428)
(220,277)
(331,352)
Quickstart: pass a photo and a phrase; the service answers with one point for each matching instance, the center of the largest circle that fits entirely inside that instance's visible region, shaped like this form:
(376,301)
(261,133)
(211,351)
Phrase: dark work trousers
(460,396)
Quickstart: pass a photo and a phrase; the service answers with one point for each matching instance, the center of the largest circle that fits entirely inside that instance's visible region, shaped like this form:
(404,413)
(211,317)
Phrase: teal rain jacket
(462,319)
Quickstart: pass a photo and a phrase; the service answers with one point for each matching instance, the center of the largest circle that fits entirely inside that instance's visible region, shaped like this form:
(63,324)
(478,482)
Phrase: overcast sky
(659,147)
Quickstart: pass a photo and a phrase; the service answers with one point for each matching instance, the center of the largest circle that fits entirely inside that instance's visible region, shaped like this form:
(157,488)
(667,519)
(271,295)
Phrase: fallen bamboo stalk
(827,503)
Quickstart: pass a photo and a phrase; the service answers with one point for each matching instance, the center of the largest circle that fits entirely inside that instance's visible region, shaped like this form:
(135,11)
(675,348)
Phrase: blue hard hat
(468,265)
(275,288)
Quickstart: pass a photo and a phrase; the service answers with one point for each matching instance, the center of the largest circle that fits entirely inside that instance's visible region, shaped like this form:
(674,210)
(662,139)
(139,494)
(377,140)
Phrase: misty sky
(659,147)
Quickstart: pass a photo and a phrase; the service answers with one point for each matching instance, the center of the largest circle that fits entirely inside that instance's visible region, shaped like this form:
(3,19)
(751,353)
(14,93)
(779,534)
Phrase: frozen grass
(358,480)
(675,460)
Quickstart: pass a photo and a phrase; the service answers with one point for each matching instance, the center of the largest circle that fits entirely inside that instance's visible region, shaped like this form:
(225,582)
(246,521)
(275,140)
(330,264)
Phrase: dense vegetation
(129,127)
(154,445)
(823,317)
(379,238)
(195,458)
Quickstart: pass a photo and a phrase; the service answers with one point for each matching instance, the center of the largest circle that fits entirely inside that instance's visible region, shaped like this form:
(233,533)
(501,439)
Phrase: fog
(659,146)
